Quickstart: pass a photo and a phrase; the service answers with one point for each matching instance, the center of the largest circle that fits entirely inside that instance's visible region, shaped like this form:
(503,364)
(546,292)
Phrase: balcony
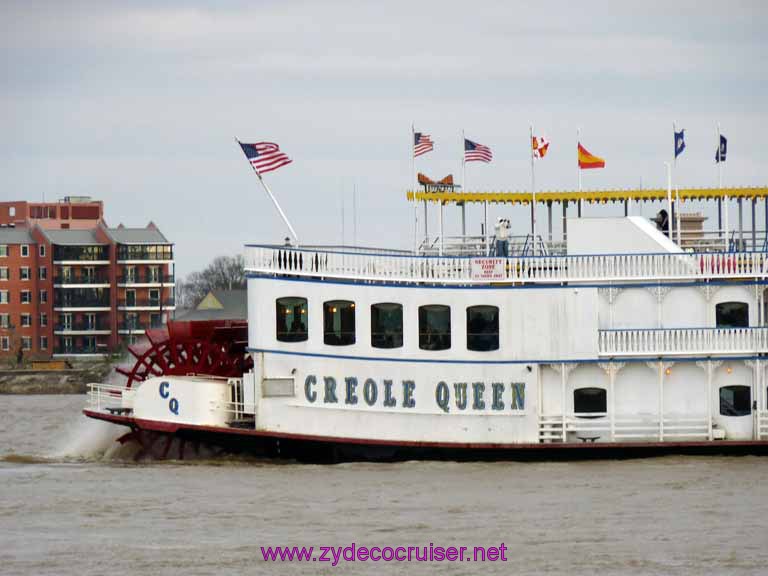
(61,301)
(75,280)
(146,279)
(144,253)
(133,327)
(97,350)
(81,254)
(146,303)
(83,328)
(682,341)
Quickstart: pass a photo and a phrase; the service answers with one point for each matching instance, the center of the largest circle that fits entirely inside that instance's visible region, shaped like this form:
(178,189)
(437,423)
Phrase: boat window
(339,322)
(735,401)
(292,319)
(434,327)
(589,401)
(482,328)
(732,315)
(386,325)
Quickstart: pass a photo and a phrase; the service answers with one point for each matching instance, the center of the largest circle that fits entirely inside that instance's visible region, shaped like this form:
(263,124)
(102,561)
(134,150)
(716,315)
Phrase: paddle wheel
(201,348)
(185,348)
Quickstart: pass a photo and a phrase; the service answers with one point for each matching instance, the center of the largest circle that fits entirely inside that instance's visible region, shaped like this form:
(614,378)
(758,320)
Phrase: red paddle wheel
(185,348)
(205,347)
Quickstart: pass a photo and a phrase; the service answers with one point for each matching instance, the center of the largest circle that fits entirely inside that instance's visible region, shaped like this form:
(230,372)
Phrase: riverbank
(73,380)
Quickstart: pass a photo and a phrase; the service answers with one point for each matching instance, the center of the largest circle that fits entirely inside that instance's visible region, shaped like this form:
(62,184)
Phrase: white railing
(598,426)
(676,341)
(106,397)
(378,267)
(762,425)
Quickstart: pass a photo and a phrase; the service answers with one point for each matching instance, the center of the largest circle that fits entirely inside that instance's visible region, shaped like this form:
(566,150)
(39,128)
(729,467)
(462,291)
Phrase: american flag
(422,144)
(474,152)
(264,156)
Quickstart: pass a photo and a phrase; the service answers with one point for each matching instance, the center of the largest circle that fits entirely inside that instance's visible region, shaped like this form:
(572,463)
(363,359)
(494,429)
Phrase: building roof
(590,196)
(149,235)
(220,305)
(72,237)
(16,236)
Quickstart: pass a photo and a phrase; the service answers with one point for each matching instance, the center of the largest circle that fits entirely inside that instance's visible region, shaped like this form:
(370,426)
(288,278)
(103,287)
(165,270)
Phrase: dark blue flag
(679,142)
(721,150)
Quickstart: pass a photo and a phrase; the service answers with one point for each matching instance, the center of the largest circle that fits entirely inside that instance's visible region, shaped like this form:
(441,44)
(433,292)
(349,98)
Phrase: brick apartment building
(72,286)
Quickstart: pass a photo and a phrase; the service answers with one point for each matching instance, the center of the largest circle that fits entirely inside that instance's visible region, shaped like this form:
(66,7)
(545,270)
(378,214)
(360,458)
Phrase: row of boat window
(734,401)
(387,324)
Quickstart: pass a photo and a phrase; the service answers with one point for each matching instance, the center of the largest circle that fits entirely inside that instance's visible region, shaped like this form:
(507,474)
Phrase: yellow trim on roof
(589,196)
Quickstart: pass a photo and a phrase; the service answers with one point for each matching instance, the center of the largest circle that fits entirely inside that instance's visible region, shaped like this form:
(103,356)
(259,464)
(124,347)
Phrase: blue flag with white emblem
(721,150)
(679,142)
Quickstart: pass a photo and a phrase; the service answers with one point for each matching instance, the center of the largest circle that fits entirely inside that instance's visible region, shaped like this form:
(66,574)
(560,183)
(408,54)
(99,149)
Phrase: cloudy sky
(138,104)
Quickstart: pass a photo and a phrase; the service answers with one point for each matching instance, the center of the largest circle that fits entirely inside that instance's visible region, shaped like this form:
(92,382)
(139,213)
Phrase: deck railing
(380,267)
(679,341)
(598,426)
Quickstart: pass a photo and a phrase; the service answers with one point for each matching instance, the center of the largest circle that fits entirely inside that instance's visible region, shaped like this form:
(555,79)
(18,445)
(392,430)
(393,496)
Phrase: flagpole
(274,200)
(720,187)
(415,203)
(464,184)
(578,141)
(669,198)
(533,192)
(671,219)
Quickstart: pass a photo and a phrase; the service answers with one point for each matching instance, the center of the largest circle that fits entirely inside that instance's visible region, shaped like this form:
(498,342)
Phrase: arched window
(434,327)
(339,322)
(735,401)
(589,400)
(732,315)
(482,328)
(387,325)
(291,315)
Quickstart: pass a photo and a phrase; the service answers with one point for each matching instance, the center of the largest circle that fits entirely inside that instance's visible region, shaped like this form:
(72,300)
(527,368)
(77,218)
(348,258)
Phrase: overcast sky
(138,104)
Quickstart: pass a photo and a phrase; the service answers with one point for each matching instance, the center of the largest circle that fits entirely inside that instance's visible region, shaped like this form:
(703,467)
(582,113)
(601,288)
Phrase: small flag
(540,146)
(679,142)
(587,160)
(264,156)
(474,152)
(721,150)
(422,143)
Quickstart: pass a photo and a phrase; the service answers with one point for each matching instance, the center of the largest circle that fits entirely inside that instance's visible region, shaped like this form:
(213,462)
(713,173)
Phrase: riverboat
(617,339)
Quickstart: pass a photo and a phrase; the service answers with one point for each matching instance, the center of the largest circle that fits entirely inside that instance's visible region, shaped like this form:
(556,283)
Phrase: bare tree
(224,273)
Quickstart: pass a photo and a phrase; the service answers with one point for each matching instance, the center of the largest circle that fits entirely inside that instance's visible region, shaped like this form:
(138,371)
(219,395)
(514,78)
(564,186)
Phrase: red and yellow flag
(587,160)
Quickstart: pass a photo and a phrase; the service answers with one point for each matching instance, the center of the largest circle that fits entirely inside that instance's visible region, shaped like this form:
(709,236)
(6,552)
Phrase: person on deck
(502,237)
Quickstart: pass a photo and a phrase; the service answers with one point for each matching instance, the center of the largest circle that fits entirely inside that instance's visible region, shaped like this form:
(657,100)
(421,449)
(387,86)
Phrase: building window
(42,273)
(735,401)
(42,251)
(5,343)
(26,296)
(4,274)
(732,315)
(155,320)
(154,274)
(339,322)
(43,319)
(4,298)
(130,298)
(5,320)
(26,342)
(43,342)
(12,211)
(25,250)
(291,316)
(3,250)
(24,273)
(43,296)
(26,320)
(434,327)
(66,321)
(387,325)
(590,401)
(154,297)
(482,328)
